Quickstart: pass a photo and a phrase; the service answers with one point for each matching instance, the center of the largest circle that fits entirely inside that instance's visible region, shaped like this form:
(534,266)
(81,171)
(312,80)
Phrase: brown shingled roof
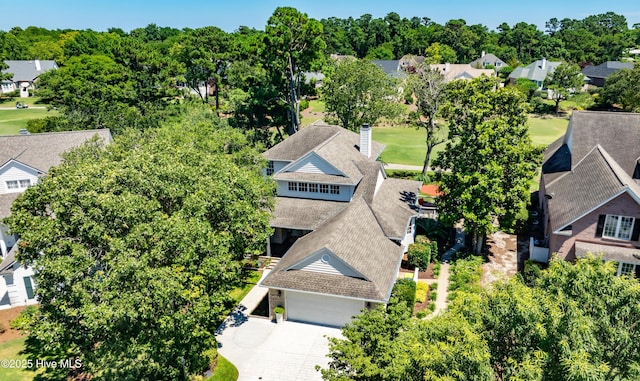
(355,237)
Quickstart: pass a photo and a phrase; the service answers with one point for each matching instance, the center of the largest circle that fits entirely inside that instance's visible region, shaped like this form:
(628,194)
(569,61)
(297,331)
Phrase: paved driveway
(262,350)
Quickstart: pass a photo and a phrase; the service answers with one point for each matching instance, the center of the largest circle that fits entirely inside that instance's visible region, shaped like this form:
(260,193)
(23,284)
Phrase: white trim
(11,161)
(325,294)
(325,251)
(626,189)
(314,153)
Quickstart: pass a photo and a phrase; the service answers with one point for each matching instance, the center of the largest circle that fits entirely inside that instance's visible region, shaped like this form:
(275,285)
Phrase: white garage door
(321,309)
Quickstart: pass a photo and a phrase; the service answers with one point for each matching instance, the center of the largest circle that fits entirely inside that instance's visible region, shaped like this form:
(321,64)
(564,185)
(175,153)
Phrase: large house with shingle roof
(25,74)
(536,71)
(598,74)
(24,159)
(590,189)
(341,225)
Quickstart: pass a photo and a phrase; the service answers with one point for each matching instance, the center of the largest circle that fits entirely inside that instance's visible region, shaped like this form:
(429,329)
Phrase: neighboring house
(590,189)
(391,68)
(24,75)
(598,74)
(24,159)
(536,72)
(342,225)
(410,62)
(452,72)
(488,60)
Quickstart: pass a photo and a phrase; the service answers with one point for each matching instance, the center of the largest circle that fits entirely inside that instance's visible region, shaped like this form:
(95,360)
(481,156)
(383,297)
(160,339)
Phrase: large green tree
(622,88)
(357,92)
(565,80)
(487,165)
(569,322)
(136,245)
(294,44)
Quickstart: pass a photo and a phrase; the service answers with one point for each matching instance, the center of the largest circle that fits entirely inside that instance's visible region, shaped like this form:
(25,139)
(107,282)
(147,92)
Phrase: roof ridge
(613,165)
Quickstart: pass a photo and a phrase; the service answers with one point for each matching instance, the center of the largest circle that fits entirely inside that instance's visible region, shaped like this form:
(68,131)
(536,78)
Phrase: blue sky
(99,15)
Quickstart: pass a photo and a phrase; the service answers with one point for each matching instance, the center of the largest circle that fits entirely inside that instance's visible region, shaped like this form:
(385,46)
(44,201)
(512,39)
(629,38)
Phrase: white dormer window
(270,168)
(324,188)
(313,188)
(18,184)
(334,189)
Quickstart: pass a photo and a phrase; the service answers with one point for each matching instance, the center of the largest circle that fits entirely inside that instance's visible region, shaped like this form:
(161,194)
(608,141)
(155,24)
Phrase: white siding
(6,240)
(15,294)
(16,171)
(313,163)
(327,263)
(410,234)
(379,181)
(346,191)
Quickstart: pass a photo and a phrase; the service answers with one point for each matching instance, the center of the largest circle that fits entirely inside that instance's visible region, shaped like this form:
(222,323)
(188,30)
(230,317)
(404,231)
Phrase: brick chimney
(365,140)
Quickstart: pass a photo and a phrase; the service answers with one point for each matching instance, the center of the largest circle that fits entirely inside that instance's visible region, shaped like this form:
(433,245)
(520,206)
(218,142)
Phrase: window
(334,189)
(270,168)
(18,184)
(302,187)
(626,268)
(293,186)
(313,188)
(324,188)
(619,227)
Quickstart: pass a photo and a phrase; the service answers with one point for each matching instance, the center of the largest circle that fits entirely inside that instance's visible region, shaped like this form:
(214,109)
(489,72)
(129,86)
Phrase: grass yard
(224,371)
(545,131)
(252,279)
(11,350)
(405,145)
(13,119)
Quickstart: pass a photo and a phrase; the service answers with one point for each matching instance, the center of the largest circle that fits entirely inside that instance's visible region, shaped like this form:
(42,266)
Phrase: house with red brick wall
(590,190)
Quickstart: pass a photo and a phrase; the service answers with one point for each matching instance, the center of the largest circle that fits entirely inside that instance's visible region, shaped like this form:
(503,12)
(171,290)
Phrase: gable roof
(42,151)
(534,71)
(6,200)
(490,58)
(605,69)
(460,71)
(390,67)
(591,183)
(29,70)
(394,204)
(356,238)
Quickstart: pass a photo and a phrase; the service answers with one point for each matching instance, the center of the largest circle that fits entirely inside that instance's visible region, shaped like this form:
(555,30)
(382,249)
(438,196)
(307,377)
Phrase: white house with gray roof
(341,224)
(24,75)
(536,71)
(24,159)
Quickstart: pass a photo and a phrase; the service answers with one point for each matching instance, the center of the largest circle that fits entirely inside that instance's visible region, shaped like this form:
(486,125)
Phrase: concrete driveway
(262,350)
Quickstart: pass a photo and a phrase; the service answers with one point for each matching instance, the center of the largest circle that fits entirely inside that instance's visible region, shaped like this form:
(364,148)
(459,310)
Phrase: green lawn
(13,119)
(546,131)
(11,350)
(224,371)
(405,145)
(252,279)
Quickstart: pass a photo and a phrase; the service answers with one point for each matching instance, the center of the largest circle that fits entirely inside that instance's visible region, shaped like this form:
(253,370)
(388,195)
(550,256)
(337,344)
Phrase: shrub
(436,270)
(433,296)
(304,104)
(433,286)
(421,314)
(2,328)
(278,310)
(405,290)
(402,174)
(24,320)
(422,289)
(419,255)
(465,274)
(432,306)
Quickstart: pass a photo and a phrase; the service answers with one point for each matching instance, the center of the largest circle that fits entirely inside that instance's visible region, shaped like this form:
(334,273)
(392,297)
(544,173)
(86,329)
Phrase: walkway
(443,278)
(403,167)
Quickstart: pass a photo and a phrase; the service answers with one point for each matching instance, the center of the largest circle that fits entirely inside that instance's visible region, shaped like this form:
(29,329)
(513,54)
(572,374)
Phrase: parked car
(21,105)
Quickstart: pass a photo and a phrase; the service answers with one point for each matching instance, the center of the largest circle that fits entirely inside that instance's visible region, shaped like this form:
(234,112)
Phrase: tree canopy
(357,92)
(566,79)
(135,246)
(623,88)
(569,322)
(489,160)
